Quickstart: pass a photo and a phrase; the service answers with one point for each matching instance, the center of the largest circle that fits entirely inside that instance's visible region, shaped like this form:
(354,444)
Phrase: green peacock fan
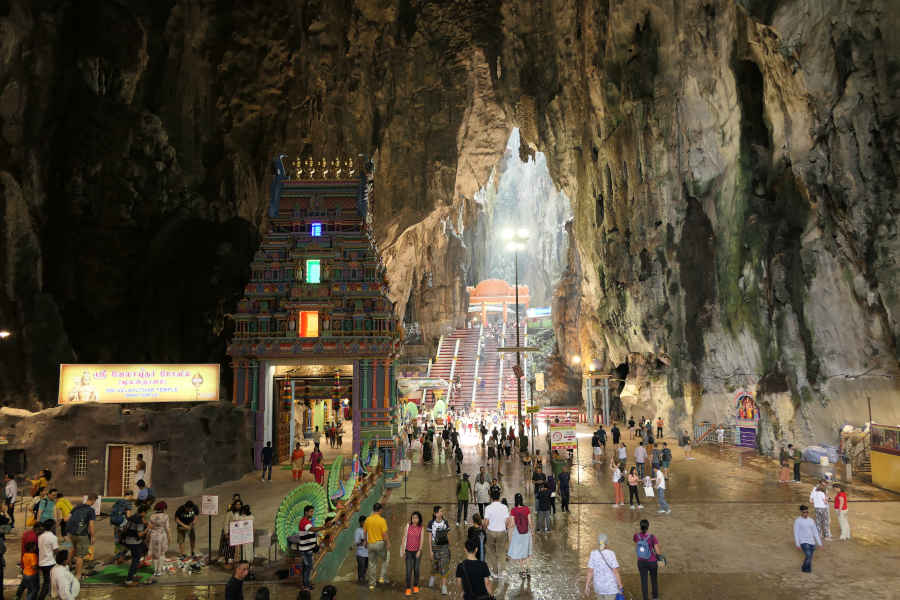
(335,485)
(287,519)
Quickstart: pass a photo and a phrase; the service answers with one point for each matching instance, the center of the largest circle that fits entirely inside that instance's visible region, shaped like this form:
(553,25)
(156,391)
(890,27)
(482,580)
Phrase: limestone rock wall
(731,168)
(192,447)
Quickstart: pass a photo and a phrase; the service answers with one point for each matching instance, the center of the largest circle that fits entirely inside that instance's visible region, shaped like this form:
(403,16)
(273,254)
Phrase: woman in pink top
(412,549)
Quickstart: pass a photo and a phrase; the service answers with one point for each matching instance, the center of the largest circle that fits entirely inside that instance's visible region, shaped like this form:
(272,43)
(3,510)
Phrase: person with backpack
(603,572)
(81,531)
(134,534)
(476,532)
(519,526)
(595,447)
(439,548)
(117,516)
(647,550)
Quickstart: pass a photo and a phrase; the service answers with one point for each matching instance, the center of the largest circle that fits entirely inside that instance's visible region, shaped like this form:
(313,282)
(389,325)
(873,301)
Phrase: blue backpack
(643,547)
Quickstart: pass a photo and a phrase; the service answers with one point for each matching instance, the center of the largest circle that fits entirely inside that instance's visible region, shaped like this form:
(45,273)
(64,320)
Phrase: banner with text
(138,383)
(562,436)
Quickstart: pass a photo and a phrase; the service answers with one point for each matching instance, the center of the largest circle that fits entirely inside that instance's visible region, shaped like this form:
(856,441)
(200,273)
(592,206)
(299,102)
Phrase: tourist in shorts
(439,529)
(81,531)
(185,518)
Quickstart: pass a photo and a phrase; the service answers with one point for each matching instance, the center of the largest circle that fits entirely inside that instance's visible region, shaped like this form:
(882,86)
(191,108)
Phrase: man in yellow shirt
(377,540)
(63,510)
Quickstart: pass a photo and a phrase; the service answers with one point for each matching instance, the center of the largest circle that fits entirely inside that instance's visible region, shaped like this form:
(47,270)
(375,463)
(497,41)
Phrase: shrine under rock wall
(731,167)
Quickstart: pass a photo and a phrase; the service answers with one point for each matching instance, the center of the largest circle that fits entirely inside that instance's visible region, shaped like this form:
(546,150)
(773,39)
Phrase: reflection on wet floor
(728,536)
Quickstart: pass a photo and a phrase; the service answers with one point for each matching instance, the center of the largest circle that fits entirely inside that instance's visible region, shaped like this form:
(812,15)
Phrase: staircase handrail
(477,362)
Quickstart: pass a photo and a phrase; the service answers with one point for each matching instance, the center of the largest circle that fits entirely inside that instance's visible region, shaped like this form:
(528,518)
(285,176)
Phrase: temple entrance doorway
(307,398)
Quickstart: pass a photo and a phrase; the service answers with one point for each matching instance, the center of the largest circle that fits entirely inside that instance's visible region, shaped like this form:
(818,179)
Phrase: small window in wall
(309,323)
(312,271)
(79,462)
(315,229)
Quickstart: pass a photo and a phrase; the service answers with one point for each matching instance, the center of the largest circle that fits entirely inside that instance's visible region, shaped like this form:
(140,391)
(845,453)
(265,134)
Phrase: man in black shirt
(234,589)
(184,526)
(473,575)
(267,455)
(616,434)
(538,478)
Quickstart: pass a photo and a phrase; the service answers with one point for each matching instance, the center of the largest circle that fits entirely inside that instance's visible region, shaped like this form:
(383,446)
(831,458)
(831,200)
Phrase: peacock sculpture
(287,519)
(336,490)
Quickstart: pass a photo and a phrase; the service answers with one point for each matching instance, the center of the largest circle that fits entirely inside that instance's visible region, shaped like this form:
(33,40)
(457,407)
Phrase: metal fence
(705,433)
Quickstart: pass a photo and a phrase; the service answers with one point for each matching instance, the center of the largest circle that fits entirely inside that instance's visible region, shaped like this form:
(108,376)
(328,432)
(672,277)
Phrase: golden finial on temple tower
(336,168)
(310,167)
(323,167)
(298,168)
(349,167)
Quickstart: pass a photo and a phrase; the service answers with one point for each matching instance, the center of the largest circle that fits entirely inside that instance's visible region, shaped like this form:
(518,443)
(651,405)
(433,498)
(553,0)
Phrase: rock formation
(731,168)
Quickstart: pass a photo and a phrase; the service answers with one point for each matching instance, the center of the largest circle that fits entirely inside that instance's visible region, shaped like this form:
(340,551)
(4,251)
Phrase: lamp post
(516,241)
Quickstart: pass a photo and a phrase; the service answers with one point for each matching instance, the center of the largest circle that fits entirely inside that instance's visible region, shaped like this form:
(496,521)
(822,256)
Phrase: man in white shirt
(640,457)
(819,500)
(64,585)
(806,537)
(661,491)
(47,545)
(11,491)
(495,516)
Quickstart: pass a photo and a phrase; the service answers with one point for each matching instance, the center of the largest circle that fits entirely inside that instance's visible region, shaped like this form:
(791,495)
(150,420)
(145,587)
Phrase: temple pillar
(235,385)
(356,404)
(504,312)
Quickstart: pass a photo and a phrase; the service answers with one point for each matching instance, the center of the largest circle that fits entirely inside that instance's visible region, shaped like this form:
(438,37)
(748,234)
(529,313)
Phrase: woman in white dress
(603,572)
(159,537)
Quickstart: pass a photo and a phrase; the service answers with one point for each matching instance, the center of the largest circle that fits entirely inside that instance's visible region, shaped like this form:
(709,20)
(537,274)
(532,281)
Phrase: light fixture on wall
(4,333)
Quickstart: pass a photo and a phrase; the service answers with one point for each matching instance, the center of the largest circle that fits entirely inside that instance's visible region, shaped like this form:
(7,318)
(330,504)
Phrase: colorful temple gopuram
(315,335)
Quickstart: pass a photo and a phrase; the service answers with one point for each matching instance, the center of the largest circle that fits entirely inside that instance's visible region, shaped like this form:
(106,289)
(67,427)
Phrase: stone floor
(728,536)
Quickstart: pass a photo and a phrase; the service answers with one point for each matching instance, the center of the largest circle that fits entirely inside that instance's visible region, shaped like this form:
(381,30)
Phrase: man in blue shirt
(806,537)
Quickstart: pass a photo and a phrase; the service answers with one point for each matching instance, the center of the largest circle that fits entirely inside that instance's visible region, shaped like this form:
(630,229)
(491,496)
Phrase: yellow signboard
(138,383)
(562,436)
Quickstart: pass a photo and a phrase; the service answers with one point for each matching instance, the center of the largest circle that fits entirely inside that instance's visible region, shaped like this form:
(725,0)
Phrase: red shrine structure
(492,294)
(315,336)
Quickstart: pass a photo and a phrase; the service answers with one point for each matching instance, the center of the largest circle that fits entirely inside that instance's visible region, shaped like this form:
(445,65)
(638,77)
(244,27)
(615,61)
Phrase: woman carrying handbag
(603,572)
